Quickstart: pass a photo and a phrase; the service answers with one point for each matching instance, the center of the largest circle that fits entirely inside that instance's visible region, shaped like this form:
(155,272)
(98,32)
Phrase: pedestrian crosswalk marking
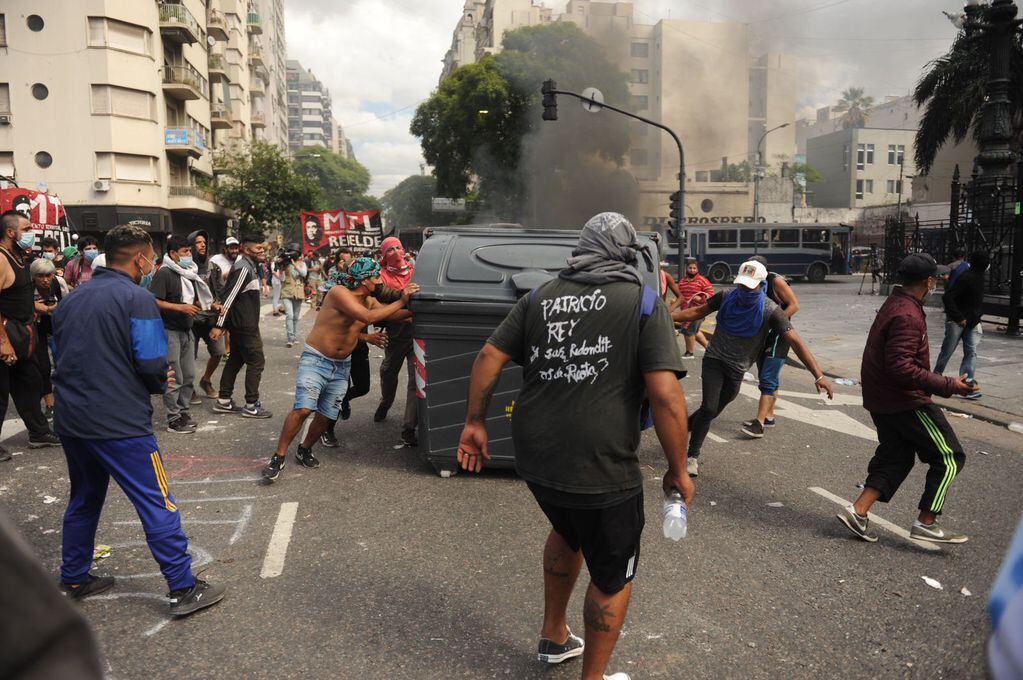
(826,417)
(874,519)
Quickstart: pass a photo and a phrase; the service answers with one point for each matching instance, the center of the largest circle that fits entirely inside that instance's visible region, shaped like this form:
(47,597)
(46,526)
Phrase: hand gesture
(678,479)
(379,339)
(7,354)
(189,310)
(409,291)
(825,385)
(473,447)
(961,387)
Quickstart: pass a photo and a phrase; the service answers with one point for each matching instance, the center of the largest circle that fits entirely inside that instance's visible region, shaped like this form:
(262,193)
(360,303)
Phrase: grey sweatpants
(399,350)
(181,357)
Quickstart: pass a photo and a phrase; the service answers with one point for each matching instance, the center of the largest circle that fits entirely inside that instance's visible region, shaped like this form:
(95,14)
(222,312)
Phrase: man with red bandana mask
(396,272)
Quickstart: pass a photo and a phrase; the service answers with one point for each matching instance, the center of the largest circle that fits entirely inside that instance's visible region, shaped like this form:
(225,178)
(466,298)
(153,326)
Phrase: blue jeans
(321,383)
(292,310)
(970,337)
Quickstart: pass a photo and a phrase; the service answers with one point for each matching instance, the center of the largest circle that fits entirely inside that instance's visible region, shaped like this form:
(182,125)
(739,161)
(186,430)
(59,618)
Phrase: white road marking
(12,428)
(714,438)
(273,563)
(839,400)
(883,523)
(214,500)
(242,523)
(828,418)
(178,482)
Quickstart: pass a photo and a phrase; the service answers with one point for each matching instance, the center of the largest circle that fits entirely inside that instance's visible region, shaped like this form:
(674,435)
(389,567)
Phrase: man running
(897,384)
(694,289)
(325,363)
(744,319)
(581,465)
(776,349)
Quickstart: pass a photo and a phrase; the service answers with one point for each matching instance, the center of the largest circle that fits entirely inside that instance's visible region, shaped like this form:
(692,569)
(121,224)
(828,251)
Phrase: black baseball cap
(920,265)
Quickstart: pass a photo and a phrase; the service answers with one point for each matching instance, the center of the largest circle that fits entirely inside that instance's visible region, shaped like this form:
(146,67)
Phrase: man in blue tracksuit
(110,357)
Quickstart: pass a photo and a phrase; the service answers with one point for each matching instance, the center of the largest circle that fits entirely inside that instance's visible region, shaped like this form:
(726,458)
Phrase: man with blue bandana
(323,369)
(744,319)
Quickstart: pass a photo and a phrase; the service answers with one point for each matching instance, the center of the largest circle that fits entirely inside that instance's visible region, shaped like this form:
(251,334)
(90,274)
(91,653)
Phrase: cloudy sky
(380,58)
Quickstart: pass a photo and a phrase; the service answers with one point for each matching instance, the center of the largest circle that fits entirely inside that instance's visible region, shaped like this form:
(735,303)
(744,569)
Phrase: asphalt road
(393,572)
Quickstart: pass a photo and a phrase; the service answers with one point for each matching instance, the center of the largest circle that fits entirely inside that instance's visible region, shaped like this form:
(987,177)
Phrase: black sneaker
(409,438)
(306,458)
(274,467)
(255,410)
(329,440)
(94,585)
(346,410)
(230,407)
(43,440)
(380,415)
(4,454)
(753,428)
(190,600)
(769,422)
(552,652)
(181,425)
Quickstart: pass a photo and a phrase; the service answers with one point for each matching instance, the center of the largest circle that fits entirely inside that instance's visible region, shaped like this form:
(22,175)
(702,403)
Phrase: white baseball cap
(751,274)
(231,241)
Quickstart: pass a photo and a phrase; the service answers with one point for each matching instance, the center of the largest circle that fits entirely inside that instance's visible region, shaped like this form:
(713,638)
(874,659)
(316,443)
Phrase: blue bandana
(742,311)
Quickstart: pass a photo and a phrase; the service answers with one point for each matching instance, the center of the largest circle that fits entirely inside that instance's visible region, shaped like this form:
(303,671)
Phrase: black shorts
(609,538)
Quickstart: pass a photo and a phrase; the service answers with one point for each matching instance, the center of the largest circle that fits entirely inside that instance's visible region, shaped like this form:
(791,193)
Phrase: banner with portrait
(324,231)
(44,211)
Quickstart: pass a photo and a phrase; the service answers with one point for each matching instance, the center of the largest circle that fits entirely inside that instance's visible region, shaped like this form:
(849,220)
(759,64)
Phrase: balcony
(254,22)
(262,73)
(219,161)
(183,83)
(216,25)
(183,142)
(218,67)
(235,113)
(256,56)
(258,119)
(178,25)
(220,117)
(256,86)
(193,192)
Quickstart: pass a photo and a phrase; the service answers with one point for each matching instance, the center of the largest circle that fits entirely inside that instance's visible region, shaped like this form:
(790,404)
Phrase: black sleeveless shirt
(16,300)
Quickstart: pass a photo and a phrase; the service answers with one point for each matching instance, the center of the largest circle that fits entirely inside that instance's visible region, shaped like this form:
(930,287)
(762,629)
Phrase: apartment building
(862,167)
(310,121)
(118,106)
(268,93)
(463,40)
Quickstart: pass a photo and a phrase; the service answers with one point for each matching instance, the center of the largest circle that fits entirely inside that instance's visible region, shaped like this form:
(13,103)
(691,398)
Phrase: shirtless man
(326,360)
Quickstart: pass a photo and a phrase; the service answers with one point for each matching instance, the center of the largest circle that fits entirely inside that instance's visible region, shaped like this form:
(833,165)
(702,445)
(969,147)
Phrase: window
(706,205)
(641,50)
(817,239)
(640,102)
(638,129)
(722,238)
(638,156)
(118,35)
(126,167)
(896,154)
(784,238)
(868,186)
(40,91)
(640,75)
(44,159)
(859,188)
(3,31)
(35,23)
(5,98)
(111,100)
(864,155)
(870,154)
(746,237)
(893,186)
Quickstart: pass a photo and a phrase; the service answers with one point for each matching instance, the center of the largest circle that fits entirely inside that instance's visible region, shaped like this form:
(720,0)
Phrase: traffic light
(675,215)
(550,100)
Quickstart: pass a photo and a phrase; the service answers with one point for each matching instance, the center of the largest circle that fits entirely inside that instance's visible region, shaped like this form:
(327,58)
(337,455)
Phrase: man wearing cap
(744,319)
(897,384)
(325,364)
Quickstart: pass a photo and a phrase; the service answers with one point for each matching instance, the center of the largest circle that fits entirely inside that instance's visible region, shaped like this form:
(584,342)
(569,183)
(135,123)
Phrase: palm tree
(855,104)
(951,94)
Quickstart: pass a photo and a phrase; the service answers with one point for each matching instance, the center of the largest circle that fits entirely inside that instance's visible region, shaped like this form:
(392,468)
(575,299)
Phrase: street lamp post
(758,172)
(595,102)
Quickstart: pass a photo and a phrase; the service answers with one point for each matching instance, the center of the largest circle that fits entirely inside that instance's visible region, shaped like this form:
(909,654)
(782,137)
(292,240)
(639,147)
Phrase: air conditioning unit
(101,185)
(6,119)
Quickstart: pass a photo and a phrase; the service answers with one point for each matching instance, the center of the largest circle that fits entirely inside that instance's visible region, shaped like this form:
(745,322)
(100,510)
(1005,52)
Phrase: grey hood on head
(608,251)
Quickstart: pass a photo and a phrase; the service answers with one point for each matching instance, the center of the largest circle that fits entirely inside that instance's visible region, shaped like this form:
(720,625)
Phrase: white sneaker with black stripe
(552,652)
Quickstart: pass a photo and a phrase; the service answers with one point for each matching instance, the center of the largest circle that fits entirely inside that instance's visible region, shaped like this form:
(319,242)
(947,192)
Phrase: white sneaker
(692,467)
(618,676)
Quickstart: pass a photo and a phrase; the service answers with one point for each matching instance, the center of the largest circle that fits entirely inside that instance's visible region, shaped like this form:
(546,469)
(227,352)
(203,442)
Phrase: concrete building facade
(861,167)
(463,39)
(310,122)
(268,93)
(119,106)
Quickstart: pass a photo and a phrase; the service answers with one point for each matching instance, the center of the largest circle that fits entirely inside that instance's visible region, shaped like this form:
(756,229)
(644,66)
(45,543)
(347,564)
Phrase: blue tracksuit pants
(136,466)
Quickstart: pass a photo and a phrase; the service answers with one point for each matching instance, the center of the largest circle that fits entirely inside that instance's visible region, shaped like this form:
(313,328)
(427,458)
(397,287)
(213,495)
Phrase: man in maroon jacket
(897,384)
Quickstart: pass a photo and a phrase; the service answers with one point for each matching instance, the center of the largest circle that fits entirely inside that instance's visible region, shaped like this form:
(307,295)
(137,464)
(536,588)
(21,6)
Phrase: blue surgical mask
(90,255)
(27,240)
(185,262)
(147,278)
(49,256)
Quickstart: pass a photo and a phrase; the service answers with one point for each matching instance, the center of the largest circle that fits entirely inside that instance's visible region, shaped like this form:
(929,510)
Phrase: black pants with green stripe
(922,432)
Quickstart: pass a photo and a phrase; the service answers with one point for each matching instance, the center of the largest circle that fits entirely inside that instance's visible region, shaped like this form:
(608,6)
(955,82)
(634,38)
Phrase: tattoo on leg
(554,572)
(595,615)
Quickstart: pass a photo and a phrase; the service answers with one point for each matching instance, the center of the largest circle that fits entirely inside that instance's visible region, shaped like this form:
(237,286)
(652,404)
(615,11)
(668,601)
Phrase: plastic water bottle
(675,520)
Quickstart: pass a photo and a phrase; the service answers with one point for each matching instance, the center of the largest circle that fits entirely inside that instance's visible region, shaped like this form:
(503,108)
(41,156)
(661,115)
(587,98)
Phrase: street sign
(449,205)
(592,100)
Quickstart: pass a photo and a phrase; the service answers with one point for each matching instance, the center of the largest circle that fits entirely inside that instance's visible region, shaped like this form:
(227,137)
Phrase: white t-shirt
(224,263)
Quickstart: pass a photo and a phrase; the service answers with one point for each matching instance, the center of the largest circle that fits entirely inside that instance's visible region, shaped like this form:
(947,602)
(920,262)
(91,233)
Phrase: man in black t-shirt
(588,355)
(744,319)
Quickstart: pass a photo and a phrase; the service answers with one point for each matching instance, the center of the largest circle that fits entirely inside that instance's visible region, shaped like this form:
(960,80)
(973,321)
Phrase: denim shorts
(770,374)
(321,383)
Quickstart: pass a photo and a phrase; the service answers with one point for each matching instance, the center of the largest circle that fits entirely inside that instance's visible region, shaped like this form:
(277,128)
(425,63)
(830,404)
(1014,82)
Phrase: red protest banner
(324,231)
(45,212)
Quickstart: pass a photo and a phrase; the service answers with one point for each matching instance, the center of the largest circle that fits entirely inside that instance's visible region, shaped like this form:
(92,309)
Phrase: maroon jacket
(896,371)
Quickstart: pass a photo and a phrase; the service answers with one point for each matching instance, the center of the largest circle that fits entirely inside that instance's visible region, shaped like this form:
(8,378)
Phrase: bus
(793,250)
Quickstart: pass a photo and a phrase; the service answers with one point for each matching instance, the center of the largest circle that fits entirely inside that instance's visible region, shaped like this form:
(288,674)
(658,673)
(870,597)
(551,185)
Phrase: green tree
(951,94)
(261,186)
(482,131)
(855,104)
(343,181)
(410,204)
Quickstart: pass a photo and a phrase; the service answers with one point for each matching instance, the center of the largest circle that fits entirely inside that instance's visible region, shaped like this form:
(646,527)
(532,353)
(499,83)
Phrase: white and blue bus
(794,250)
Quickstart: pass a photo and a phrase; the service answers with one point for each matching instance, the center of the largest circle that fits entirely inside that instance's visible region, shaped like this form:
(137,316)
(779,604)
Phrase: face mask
(91,255)
(49,256)
(185,262)
(147,278)
(27,240)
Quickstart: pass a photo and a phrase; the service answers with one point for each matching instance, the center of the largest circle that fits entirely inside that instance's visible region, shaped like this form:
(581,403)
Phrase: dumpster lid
(499,263)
